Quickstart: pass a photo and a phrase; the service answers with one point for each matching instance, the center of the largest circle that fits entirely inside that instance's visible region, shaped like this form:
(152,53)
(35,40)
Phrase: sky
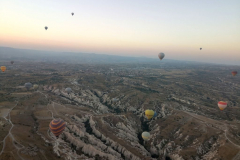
(127,28)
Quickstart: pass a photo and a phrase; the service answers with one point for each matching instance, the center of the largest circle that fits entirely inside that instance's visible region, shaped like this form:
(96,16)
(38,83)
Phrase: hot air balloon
(149,114)
(3,68)
(155,114)
(222,105)
(114,99)
(46,27)
(68,90)
(28,85)
(57,126)
(12,62)
(35,86)
(146,136)
(72,14)
(234,73)
(200,48)
(161,55)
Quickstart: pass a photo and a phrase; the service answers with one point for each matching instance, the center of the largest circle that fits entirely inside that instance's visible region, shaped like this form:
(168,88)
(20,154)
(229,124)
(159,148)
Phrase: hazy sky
(126,27)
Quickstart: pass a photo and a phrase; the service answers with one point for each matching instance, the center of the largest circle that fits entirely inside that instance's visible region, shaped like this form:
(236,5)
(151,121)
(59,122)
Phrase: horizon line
(118,55)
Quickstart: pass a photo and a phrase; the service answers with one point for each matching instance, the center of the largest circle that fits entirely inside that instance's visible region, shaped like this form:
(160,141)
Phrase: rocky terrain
(105,112)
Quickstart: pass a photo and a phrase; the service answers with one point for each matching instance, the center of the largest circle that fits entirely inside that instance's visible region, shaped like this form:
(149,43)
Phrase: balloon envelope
(114,99)
(72,14)
(3,68)
(222,105)
(46,27)
(57,126)
(28,85)
(161,55)
(68,90)
(146,135)
(200,48)
(234,73)
(35,86)
(155,114)
(149,113)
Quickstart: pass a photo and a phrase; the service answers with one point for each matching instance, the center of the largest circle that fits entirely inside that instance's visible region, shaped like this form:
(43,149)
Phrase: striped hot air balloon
(149,114)
(146,136)
(3,68)
(234,73)
(222,105)
(57,126)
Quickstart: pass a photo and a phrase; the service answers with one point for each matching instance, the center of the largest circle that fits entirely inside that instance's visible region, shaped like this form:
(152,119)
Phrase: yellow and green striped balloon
(146,136)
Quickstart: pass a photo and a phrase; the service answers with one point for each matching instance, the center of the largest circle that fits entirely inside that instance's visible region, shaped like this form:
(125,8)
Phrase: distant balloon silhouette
(35,86)
(234,73)
(114,99)
(3,68)
(28,85)
(12,62)
(46,28)
(155,114)
(200,48)
(68,90)
(161,55)
(72,14)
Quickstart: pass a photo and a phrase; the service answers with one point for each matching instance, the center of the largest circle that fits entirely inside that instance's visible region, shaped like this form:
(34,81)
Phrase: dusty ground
(189,122)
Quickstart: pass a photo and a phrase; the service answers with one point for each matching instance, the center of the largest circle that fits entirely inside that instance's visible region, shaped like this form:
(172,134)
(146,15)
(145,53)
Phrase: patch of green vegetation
(51,70)
(152,78)
(42,82)
(148,91)
(56,79)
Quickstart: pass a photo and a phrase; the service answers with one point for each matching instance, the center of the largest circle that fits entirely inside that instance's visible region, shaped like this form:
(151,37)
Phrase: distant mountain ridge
(7,53)
(24,55)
